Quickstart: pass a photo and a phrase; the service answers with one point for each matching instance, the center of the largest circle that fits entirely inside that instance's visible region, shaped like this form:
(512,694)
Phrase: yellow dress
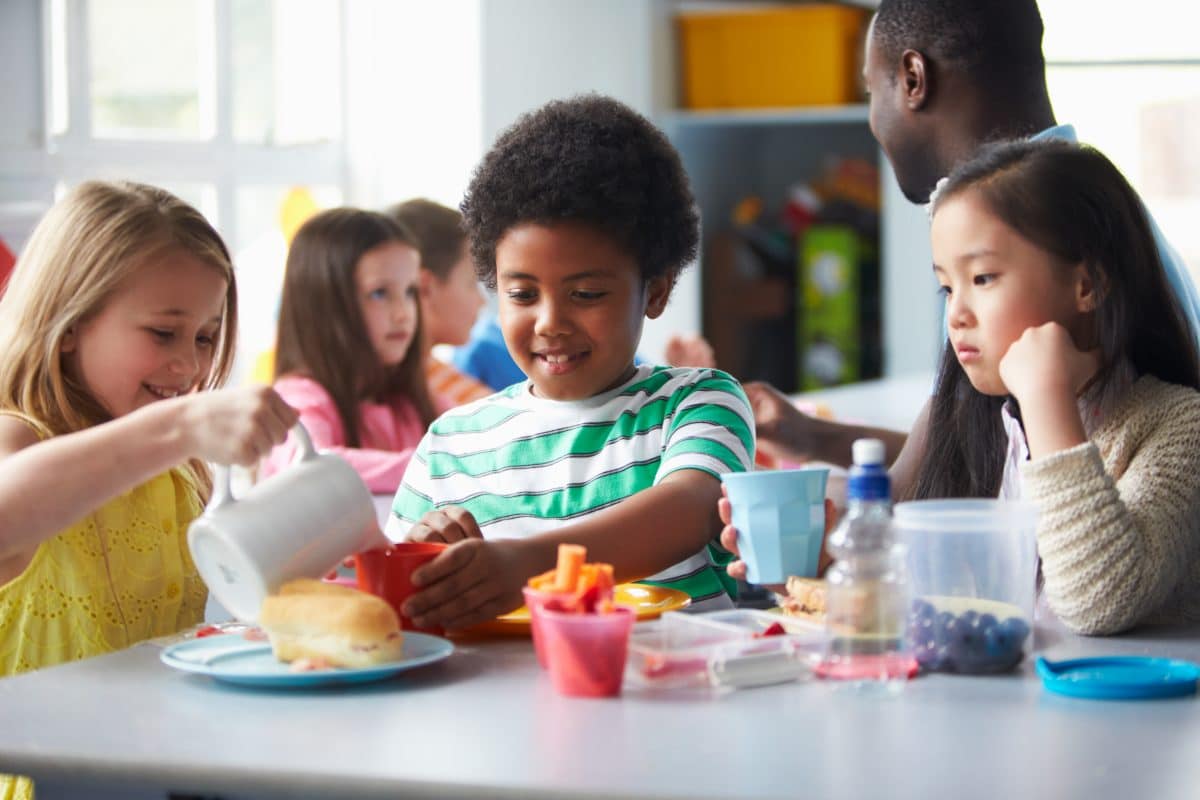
(120,575)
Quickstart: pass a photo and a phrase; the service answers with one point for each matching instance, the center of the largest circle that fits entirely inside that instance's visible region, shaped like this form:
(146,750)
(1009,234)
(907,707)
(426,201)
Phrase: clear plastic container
(972,568)
(722,649)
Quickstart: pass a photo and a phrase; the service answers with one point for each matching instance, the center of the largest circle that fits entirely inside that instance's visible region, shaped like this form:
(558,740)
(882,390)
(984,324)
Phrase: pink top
(389,434)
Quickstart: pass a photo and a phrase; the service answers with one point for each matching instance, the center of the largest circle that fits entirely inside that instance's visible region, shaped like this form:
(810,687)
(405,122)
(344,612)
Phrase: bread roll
(327,622)
(805,598)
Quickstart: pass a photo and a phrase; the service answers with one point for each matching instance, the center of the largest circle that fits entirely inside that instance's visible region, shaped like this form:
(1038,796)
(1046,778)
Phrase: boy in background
(581,218)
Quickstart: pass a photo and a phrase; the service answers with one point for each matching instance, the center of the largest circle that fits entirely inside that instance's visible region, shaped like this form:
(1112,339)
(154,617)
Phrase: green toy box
(829,321)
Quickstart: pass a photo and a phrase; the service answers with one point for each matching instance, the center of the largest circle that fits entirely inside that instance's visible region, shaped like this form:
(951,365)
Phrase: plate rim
(521,625)
(444,648)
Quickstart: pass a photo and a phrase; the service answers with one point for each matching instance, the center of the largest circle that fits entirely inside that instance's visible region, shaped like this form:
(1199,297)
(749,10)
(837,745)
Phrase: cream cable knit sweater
(1119,516)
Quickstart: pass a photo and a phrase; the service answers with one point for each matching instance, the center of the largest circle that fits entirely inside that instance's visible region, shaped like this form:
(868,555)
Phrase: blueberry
(1017,629)
(920,633)
(1003,652)
(987,621)
(969,617)
(997,643)
(961,643)
(922,609)
(926,654)
(943,626)
(943,658)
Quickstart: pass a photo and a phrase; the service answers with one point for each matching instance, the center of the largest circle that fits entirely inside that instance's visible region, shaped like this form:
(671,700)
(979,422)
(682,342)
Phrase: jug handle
(223,494)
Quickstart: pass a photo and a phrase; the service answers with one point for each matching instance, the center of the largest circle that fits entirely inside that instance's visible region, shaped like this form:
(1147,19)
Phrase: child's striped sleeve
(413,498)
(711,428)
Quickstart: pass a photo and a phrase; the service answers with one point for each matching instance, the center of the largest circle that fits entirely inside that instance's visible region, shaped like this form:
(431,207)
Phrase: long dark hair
(322,334)
(1070,201)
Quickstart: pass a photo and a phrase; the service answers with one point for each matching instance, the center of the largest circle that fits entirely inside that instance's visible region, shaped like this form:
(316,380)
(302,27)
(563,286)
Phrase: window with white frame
(1128,78)
(237,106)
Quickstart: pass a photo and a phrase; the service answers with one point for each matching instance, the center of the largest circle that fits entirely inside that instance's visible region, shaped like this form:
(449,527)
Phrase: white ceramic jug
(299,523)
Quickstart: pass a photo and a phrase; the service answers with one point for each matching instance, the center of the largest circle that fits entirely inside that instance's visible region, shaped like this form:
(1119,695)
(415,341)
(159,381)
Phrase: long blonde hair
(80,252)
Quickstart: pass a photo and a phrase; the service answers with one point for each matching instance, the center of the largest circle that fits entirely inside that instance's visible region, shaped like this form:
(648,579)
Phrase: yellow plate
(647,601)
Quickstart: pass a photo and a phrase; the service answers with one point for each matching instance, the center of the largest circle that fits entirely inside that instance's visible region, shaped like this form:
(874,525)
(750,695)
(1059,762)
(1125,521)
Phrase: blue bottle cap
(1119,677)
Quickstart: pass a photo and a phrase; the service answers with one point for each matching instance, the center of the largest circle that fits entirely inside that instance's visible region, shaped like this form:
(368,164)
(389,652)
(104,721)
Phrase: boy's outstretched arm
(477,580)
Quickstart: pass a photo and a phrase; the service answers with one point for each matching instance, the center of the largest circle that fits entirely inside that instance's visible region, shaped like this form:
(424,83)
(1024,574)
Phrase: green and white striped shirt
(524,465)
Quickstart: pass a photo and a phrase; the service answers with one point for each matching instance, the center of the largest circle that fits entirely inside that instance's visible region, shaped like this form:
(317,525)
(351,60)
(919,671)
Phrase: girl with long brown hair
(348,356)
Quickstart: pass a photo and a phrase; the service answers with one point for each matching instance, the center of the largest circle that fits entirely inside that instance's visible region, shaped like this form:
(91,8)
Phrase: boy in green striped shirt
(581,218)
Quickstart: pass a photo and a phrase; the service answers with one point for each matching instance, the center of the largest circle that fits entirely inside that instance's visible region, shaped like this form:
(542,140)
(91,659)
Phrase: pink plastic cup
(387,572)
(585,653)
(535,601)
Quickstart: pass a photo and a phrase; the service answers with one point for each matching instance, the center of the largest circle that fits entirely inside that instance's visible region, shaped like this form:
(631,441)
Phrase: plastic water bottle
(866,593)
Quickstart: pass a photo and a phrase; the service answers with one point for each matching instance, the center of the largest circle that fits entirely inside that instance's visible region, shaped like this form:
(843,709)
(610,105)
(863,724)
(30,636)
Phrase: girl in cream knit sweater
(1070,379)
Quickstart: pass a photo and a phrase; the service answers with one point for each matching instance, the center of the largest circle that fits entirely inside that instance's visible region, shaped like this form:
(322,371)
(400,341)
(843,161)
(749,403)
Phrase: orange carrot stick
(570,559)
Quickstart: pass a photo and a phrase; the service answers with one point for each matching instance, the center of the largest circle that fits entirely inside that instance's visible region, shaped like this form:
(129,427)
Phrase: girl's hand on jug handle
(234,426)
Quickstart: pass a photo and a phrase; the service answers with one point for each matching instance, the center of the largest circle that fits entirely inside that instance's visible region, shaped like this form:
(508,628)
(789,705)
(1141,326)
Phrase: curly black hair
(592,160)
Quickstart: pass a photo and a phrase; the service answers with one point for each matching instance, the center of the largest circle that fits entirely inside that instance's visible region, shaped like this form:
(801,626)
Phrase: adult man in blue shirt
(944,77)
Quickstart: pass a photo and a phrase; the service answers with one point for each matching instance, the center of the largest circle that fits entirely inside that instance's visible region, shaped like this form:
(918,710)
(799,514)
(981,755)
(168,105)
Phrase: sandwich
(805,598)
(312,624)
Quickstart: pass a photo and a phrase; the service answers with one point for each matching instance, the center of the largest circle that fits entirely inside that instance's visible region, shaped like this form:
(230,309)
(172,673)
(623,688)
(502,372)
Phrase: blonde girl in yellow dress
(120,311)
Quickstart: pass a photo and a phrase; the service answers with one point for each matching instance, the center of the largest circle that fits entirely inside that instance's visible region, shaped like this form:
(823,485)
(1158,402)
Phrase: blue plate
(1119,677)
(233,659)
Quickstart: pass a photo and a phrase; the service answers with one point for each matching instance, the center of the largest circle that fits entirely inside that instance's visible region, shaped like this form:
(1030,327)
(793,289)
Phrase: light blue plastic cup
(780,520)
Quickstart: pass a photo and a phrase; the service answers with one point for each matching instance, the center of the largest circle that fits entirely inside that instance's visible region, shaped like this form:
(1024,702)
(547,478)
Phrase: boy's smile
(572,304)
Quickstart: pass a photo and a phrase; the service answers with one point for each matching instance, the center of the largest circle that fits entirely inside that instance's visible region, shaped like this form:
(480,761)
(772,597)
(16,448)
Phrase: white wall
(413,99)
(911,306)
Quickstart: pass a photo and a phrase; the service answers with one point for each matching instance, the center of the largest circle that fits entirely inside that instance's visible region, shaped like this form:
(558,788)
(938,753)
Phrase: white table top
(886,403)
(487,723)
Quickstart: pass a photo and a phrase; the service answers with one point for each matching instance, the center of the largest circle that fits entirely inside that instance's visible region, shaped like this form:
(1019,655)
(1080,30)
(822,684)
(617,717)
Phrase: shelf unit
(763,152)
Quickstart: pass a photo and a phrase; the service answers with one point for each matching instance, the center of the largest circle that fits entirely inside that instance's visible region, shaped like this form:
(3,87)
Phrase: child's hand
(472,582)
(737,568)
(447,524)
(1045,372)
(1044,361)
(781,429)
(236,426)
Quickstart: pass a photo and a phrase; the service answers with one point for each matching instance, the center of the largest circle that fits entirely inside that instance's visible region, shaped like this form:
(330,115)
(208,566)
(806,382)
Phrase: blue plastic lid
(1119,677)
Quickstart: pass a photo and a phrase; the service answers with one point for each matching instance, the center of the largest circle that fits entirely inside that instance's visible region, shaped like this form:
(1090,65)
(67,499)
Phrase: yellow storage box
(800,55)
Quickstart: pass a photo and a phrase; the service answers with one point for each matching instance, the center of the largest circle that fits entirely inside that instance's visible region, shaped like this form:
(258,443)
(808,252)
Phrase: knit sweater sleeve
(1115,549)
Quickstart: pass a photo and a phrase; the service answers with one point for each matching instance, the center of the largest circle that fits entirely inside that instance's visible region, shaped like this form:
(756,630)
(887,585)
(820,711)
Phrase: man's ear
(1089,288)
(658,292)
(914,78)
